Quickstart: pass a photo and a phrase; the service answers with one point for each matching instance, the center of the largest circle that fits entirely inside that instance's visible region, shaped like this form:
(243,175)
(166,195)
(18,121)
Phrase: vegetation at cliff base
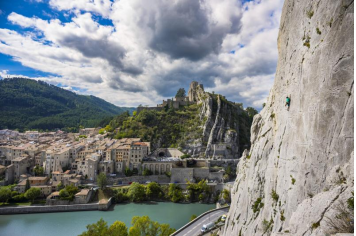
(30,104)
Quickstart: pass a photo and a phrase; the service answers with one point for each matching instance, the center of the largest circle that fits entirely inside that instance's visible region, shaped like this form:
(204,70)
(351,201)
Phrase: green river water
(73,223)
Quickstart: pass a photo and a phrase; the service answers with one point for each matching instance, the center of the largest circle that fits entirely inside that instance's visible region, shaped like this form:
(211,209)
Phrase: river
(73,223)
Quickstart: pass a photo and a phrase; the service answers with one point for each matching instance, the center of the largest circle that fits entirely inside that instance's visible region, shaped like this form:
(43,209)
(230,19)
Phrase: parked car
(207,227)
(223,218)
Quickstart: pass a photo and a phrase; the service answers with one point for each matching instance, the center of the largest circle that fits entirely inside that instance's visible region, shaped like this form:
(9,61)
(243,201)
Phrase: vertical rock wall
(300,164)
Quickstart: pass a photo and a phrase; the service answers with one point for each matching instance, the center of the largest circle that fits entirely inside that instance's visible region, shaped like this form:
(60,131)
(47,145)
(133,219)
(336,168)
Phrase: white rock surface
(305,154)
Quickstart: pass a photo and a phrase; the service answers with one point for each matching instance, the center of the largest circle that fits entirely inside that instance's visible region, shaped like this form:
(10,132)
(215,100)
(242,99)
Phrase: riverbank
(74,223)
(100,206)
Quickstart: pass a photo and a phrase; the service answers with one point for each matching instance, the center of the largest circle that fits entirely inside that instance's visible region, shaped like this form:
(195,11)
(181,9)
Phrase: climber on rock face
(287,102)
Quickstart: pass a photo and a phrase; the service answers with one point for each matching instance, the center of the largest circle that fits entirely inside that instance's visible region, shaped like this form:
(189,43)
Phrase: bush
(120,197)
(200,190)
(19,198)
(267,225)
(175,193)
(146,172)
(128,172)
(64,195)
(226,195)
(343,220)
(68,193)
(193,217)
(310,13)
(257,205)
(274,195)
(185,156)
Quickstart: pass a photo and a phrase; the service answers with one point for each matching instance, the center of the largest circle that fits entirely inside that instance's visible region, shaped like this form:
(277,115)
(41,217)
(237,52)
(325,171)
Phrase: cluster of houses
(47,159)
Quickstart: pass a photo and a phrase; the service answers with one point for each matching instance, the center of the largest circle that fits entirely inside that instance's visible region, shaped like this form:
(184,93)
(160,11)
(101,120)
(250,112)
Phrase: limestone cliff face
(300,164)
(225,126)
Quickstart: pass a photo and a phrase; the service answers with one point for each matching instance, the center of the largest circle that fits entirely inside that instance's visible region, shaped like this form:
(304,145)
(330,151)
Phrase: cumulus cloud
(151,50)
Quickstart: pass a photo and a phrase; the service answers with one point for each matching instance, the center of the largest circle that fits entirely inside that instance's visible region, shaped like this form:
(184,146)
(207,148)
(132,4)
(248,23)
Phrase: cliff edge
(299,169)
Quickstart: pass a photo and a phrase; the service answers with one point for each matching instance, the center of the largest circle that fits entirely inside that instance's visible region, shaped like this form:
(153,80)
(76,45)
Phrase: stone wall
(139,109)
(182,175)
(139,179)
(48,209)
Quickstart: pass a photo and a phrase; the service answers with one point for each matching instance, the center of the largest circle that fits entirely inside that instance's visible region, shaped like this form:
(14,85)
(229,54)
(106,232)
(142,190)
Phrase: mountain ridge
(31,104)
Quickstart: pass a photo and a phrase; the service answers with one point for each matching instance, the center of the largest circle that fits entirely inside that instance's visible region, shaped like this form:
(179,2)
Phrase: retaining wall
(140,179)
(48,209)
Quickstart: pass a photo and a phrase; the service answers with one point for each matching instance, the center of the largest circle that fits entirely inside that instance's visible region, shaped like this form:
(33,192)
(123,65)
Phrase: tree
(118,228)
(32,194)
(102,181)
(63,194)
(145,226)
(136,192)
(226,195)
(175,192)
(99,228)
(60,186)
(134,113)
(39,171)
(108,128)
(181,93)
(28,186)
(72,190)
(5,194)
(200,190)
(251,111)
(141,226)
(153,190)
(146,172)
(128,172)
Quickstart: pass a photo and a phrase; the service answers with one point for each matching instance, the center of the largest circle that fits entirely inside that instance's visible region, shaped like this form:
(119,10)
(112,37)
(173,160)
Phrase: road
(195,228)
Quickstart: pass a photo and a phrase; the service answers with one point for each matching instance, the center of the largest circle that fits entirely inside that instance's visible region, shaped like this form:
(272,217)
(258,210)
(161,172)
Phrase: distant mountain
(31,104)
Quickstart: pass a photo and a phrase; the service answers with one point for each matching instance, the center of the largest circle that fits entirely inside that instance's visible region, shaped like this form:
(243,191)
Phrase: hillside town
(51,159)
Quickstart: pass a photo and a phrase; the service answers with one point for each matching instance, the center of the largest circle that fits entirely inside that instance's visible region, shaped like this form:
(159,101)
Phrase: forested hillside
(31,104)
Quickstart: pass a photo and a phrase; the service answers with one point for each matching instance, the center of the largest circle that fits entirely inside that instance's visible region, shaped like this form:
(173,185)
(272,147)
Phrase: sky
(132,52)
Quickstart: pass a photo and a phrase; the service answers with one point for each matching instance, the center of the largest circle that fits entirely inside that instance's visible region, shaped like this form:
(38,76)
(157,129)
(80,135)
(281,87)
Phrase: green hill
(31,104)
(190,128)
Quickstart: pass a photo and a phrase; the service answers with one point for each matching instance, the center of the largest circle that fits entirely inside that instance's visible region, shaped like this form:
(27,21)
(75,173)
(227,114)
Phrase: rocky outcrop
(225,126)
(194,91)
(300,164)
